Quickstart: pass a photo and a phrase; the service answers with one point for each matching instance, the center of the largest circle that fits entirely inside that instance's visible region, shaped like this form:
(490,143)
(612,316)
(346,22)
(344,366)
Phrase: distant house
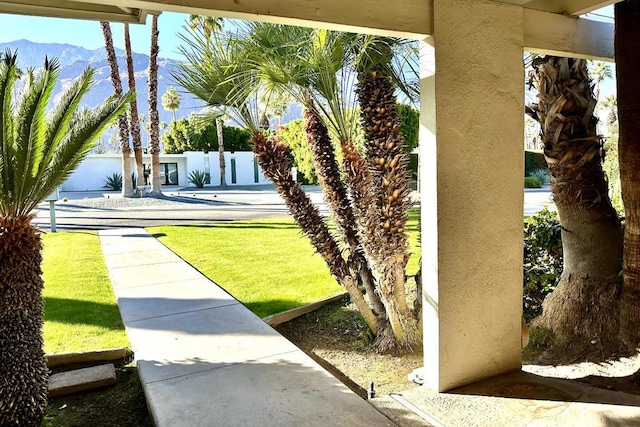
(241,169)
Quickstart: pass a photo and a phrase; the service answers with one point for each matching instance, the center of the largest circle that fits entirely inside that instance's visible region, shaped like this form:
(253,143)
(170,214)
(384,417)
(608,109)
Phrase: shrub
(198,178)
(113,182)
(542,260)
(533,160)
(542,175)
(532,182)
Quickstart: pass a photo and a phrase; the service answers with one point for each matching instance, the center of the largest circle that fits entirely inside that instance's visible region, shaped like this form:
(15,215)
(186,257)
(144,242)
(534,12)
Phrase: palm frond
(8,71)
(61,116)
(40,150)
(85,129)
(31,126)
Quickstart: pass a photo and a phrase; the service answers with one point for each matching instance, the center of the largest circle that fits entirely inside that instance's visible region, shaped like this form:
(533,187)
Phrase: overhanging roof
(550,25)
(74,9)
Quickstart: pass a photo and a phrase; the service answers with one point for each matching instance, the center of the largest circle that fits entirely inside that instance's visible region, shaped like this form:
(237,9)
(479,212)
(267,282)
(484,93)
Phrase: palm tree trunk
(583,309)
(154,120)
(627,51)
(387,246)
(23,369)
(335,194)
(274,161)
(135,124)
(223,179)
(125,149)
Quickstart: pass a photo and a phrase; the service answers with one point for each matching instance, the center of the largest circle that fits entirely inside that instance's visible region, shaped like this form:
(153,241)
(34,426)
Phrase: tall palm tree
(38,151)
(584,306)
(210,27)
(171,101)
(154,120)
(627,51)
(134,123)
(125,148)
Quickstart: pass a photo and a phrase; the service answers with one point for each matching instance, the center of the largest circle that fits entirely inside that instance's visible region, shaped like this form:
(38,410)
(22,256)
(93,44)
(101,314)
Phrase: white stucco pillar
(472,191)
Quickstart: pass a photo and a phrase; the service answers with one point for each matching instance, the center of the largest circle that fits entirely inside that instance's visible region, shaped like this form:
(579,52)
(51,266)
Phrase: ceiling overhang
(550,25)
(99,11)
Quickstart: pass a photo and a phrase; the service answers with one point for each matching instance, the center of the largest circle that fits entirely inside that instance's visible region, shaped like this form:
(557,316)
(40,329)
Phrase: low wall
(240,169)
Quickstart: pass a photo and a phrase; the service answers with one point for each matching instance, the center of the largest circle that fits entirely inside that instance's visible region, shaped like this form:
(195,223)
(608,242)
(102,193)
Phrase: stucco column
(471,149)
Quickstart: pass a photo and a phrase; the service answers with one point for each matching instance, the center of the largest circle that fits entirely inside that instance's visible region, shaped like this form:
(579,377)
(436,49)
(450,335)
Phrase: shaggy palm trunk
(386,244)
(274,160)
(154,120)
(627,50)
(583,309)
(223,178)
(125,149)
(23,369)
(135,123)
(336,197)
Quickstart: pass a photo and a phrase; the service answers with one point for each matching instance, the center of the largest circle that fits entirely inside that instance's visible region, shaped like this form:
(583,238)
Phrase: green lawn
(265,264)
(80,308)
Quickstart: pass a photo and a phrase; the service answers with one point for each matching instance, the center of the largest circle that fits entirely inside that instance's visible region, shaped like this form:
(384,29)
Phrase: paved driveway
(100,210)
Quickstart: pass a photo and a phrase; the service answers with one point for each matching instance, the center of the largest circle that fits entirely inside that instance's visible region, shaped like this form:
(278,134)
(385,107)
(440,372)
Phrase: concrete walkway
(204,359)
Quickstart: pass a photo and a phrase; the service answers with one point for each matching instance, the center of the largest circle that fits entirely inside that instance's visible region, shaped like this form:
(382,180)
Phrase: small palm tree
(38,151)
(318,68)
(171,101)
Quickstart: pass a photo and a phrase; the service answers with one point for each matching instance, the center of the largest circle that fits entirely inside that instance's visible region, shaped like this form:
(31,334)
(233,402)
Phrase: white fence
(241,169)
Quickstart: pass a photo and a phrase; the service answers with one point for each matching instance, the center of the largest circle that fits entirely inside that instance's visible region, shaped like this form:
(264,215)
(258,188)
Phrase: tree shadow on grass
(80,312)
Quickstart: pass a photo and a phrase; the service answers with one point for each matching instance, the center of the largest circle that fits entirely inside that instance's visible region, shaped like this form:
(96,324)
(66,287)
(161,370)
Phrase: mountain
(74,59)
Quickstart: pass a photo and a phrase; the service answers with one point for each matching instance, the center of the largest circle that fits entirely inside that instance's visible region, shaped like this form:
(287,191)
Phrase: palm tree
(208,24)
(154,120)
(171,101)
(39,151)
(599,71)
(125,149)
(134,124)
(627,52)
(390,200)
(583,306)
(317,68)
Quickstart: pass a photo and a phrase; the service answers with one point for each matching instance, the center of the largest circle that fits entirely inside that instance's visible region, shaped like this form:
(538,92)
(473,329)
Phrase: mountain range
(74,59)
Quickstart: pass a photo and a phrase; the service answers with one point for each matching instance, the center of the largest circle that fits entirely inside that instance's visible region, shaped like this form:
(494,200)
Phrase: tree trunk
(223,179)
(135,124)
(125,149)
(337,198)
(627,52)
(274,161)
(387,246)
(154,120)
(583,309)
(23,369)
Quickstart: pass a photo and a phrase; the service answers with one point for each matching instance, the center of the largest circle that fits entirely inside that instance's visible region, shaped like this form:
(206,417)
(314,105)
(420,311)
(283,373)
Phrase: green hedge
(533,160)
(542,259)
(532,182)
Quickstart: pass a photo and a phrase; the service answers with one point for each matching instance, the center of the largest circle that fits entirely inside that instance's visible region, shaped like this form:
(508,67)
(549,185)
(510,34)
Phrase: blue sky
(89,35)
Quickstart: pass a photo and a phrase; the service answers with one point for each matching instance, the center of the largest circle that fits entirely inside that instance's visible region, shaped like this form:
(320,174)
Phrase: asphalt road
(103,210)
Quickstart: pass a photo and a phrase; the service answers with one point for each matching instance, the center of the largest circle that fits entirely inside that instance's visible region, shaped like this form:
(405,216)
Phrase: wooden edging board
(285,316)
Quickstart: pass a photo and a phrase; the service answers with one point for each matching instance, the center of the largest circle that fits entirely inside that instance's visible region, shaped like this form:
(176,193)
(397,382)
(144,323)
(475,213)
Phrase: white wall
(92,172)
